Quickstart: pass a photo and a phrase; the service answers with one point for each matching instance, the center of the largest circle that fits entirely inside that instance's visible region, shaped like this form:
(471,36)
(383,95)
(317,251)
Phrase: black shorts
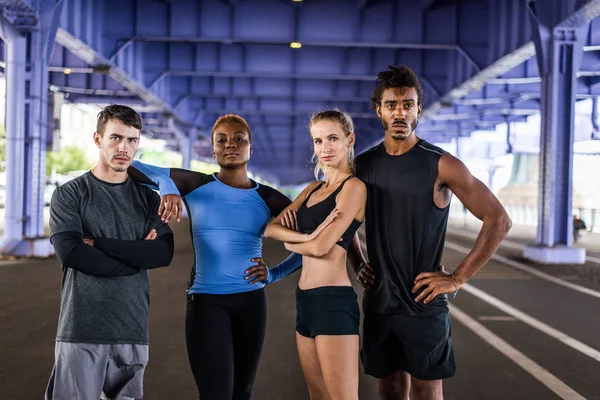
(421,346)
(327,310)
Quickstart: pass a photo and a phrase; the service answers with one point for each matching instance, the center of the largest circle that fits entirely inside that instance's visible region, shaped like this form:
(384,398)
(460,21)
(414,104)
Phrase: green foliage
(171,159)
(164,158)
(2,148)
(69,159)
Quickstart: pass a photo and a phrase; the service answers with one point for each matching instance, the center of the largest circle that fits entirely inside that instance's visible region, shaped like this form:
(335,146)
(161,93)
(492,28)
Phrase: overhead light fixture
(295,45)
(296,1)
(67,71)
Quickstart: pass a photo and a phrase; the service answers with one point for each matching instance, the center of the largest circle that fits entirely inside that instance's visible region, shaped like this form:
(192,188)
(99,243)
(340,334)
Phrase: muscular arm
(142,254)
(276,230)
(350,201)
(73,253)
(482,203)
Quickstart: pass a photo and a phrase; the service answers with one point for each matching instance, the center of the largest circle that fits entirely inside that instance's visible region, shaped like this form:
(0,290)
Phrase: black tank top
(405,230)
(309,218)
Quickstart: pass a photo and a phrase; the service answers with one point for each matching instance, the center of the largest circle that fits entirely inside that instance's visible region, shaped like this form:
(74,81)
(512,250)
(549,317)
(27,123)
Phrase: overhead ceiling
(182,63)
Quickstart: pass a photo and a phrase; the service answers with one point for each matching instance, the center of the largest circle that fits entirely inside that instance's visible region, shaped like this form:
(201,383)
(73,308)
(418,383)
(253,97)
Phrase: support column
(16,56)
(559,51)
(187,148)
(27,129)
(509,146)
(186,143)
(595,122)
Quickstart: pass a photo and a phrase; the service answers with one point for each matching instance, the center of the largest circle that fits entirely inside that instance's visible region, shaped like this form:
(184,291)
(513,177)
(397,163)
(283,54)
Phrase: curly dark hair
(126,115)
(400,76)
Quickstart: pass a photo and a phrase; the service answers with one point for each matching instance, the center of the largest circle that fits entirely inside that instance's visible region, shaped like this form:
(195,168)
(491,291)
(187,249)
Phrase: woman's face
(331,144)
(231,144)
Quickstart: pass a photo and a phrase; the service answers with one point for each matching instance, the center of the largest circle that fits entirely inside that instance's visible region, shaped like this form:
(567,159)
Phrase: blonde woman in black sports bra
(327,314)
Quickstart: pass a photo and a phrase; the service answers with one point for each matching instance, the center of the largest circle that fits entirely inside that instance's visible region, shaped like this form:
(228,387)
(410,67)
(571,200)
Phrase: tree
(2,148)
(69,159)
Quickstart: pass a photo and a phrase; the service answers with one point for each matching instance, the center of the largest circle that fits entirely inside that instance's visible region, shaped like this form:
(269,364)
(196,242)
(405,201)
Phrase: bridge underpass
(518,333)
(182,63)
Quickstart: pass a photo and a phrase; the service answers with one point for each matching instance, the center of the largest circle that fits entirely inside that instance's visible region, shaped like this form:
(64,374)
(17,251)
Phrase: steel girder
(189,60)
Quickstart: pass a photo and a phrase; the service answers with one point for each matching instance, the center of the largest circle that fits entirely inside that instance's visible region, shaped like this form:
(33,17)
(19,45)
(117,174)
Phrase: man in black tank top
(406,335)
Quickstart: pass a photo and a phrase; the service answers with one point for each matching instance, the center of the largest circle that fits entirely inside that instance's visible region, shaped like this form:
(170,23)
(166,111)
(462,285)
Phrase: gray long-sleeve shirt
(98,307)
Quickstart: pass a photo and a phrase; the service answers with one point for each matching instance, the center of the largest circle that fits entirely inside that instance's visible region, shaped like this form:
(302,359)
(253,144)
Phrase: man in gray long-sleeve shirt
(107,233)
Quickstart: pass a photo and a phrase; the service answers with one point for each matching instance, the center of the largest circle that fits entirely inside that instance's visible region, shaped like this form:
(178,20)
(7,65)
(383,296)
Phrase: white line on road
(530,270)
(593,259)
(10,263)
(503,318)
(509,244)
(529,320)
(530,366)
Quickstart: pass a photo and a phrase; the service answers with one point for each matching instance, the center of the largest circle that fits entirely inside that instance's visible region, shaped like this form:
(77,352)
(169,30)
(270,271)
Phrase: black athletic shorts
(421,346)
(327,310)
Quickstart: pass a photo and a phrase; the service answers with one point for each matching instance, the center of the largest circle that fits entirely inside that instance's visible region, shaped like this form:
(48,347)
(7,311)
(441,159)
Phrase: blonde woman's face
(330,142)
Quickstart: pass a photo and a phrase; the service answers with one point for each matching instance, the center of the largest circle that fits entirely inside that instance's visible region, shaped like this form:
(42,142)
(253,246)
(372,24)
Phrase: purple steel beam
(581,16)
(16,56)
(28,133)
(186,142)
(166,89)
(92,57)
(559,52)
(363,115)
(375,45)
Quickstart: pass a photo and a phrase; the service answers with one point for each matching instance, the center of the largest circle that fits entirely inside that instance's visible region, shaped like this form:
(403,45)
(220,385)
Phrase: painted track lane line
(510,245)
(529,320)
(593,259)
(530,366)
(530,270)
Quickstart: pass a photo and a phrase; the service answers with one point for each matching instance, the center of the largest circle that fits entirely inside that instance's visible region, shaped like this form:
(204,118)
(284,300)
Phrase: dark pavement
(29,304)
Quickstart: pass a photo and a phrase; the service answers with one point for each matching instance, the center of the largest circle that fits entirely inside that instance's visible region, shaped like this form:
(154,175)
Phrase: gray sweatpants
(86,371)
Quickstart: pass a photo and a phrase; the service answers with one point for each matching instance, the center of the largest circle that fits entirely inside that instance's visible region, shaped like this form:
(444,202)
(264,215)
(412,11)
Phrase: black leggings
(225,335)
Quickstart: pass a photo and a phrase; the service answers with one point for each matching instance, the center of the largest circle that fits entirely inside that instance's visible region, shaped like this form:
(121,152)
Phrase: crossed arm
(276,230)
(350,200)
(74,253)
(149,253)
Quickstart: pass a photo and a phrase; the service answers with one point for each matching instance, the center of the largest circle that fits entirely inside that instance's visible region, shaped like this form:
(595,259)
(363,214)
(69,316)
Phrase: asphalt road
(517,334)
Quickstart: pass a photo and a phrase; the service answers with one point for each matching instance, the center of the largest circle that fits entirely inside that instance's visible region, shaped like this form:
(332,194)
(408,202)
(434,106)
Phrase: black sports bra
(309,218)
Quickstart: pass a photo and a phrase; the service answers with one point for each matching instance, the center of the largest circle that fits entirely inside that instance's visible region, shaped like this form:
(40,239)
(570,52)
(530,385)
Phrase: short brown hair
(227,119)
(126,115)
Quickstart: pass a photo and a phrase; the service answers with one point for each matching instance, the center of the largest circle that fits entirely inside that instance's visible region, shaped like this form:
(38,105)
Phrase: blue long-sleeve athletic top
(227,226)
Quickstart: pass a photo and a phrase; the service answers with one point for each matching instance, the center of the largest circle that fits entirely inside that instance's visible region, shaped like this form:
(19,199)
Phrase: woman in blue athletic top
(227,308)
(327,313)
